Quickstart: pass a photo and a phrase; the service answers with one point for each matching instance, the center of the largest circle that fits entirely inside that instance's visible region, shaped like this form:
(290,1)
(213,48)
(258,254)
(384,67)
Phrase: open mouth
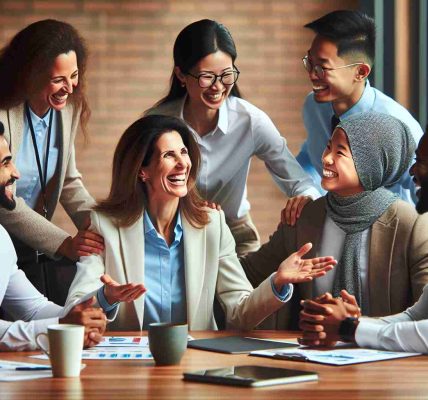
(319,88)
(59,98)
(177,179)
(213,97)
(8,189)
(326,173)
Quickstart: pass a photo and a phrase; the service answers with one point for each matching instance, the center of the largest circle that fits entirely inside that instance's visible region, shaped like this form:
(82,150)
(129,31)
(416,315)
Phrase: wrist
(347,329)
(65,248)
(110,300)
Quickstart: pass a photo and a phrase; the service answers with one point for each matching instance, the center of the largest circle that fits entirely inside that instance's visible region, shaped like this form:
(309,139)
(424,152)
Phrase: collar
(364,104)
(223,117)
(35,119)
(151,230)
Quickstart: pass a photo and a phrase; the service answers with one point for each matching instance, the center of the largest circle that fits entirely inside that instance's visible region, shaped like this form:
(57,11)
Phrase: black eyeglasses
(207,79)
(319,70)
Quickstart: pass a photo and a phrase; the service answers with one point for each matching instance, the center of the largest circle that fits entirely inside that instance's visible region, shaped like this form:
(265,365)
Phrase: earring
(183,84)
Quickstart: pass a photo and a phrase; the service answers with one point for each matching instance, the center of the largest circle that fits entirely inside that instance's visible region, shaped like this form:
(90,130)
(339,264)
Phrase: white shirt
(242,131)
(332,241)
(22,302)
(407,331)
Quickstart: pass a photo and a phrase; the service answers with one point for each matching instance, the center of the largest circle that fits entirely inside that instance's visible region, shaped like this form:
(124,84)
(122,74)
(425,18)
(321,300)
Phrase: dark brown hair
(128,196)
(26,62)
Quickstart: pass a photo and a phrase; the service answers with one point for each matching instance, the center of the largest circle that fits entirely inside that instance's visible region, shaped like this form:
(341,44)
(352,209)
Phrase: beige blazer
(398,257)
(211,269)
(23,222)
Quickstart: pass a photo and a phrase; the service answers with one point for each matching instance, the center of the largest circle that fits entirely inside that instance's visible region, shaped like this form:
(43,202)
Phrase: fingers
(87,243)
(133,294)
(107,280)
(212,205)
(293,209)
(301,204)
(313,307)
(128,292)
(309,317)
(304,249)
(348,298)
(92,339)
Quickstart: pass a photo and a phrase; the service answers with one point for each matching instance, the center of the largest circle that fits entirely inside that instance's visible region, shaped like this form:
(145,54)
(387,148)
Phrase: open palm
(296,270)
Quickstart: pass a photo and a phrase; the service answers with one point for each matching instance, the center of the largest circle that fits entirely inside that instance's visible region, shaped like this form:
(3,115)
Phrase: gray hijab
(382,149)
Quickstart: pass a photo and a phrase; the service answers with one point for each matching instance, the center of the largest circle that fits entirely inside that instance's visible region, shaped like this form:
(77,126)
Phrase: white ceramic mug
(65,348)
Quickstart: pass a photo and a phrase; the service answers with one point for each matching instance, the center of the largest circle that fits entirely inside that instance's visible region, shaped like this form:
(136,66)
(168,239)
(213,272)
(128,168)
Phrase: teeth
(60,98)
(328,174)
(214,96)
(315,87)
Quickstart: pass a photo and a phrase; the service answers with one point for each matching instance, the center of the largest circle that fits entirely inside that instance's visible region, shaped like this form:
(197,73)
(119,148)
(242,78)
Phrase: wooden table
(129,379)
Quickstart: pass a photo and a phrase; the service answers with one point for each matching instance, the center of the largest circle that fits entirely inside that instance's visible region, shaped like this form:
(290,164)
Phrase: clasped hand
(295,269)
(320,318)
(93,319)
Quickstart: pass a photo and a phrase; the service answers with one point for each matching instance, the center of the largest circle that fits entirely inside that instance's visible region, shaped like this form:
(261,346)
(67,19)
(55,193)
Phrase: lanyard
(42,174)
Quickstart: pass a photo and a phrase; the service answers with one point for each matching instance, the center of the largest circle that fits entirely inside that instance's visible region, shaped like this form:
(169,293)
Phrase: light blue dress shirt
(242,131)
(317,120)
(164,276)
(28,186)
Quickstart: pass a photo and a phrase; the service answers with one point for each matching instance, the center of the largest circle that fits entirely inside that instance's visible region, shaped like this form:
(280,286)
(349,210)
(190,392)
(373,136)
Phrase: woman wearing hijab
(380,241)
(158,232)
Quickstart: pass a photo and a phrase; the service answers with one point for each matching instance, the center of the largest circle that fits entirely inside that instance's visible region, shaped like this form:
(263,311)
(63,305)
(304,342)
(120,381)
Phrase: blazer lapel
(310,231)
(380,258)
(132,251)
(64,125)
(15,132)
(194,262)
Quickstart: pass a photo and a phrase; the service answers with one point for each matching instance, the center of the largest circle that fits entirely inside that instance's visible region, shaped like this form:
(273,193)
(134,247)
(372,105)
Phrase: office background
(130,63)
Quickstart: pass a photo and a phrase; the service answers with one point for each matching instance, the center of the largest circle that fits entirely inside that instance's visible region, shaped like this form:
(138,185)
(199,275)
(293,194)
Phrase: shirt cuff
(313,193)
(367,332)
(285,293)
(102,301)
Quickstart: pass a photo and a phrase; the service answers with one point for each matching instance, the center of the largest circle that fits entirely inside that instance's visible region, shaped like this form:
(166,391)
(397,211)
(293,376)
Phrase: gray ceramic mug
(167,342)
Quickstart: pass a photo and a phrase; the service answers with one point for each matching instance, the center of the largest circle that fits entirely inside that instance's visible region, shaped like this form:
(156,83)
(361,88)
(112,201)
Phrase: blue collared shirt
(28,186)
(317,119)
(164,276)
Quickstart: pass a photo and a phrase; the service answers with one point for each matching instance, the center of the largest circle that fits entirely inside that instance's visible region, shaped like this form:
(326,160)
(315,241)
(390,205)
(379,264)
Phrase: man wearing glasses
(338,64)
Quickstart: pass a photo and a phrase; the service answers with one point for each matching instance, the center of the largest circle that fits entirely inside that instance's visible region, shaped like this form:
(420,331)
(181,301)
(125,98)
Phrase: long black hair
(194,42)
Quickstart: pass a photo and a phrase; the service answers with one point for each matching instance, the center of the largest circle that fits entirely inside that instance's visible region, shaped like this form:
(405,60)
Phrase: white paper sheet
(340,356)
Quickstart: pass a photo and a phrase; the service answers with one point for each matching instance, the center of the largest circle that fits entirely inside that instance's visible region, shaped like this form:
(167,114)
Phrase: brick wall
(130,63)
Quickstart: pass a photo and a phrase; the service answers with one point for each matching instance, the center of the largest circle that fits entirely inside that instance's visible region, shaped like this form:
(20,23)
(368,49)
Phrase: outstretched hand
(115,292)
(296,270)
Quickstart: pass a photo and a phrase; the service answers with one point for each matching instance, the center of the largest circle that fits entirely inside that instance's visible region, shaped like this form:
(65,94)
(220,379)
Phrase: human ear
(180,76)
(363,72)
(142,175)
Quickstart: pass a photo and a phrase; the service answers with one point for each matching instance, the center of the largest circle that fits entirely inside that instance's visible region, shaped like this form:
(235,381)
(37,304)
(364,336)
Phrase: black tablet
(250,375)
(237,344)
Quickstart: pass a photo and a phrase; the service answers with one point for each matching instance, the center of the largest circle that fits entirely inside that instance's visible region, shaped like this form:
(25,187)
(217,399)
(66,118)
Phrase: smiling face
(343,87)
(211,97)
(8,175)
(167,174)
(63,78)
(339,173)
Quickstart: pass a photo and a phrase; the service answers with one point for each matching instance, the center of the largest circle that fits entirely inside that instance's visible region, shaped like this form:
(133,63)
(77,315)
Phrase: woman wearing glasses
(228,129)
